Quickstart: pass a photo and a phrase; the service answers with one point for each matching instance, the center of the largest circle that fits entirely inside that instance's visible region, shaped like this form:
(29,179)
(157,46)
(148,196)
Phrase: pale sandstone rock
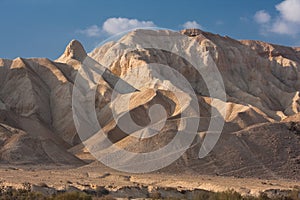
(74,51)
(261,80)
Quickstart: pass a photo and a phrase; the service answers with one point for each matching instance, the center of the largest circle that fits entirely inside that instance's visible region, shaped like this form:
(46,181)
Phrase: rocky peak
(74,50)
(191,32)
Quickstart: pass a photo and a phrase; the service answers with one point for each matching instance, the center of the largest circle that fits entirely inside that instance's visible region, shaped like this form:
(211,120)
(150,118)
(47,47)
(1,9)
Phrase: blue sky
(42,28)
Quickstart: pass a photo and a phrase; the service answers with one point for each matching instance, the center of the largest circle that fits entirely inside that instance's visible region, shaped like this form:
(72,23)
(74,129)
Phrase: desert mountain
(261,131)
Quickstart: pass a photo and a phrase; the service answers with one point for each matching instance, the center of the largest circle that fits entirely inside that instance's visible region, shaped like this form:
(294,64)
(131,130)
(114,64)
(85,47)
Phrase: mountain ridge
(261,80)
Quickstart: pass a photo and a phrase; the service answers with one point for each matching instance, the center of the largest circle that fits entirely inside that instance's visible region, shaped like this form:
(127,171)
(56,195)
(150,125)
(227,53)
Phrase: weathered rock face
(261,81)
(37,88)
(74,51)
(264,75)
(36,98)
(22,147)
(269,84)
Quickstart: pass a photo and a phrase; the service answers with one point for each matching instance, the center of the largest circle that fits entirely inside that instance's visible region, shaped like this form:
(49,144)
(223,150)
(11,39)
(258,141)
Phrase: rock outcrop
(261,81)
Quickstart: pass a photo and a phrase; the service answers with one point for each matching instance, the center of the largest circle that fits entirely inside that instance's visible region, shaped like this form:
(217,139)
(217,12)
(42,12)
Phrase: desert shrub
(294,127)
(155,195)
(227,195)
(72,196)
(26,186)
(22,194)
(107,197)
(199,195)
(295,195)
(233,195)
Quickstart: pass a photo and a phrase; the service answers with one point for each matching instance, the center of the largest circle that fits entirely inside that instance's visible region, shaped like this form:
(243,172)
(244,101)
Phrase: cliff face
(261,81)
(29,95)
(255,74)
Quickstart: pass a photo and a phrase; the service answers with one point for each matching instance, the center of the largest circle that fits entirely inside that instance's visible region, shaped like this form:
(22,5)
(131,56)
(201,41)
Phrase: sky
(43,28)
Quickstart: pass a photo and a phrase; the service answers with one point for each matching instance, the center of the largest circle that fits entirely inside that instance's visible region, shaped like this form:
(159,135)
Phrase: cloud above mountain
(289,20)
(191,24)
(289,10)
(262,17)
(286,22)
(115,25)
(92,31)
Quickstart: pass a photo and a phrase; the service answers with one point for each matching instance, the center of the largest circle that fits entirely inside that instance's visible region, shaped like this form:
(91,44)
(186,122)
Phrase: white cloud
(262,17)
(287,21)
(117,25)
(92,31)
(281,26)
(191,24)
(289,10)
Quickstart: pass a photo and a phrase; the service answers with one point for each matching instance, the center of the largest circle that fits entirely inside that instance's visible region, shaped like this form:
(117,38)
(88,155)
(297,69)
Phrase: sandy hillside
(261,134)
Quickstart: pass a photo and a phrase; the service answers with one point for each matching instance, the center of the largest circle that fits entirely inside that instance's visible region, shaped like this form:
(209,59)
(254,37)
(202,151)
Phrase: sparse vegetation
(155,195)
(233,195)
(294,127)
(23,194)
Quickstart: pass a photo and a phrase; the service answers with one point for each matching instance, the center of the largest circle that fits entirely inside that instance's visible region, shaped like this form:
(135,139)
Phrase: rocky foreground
(99,181)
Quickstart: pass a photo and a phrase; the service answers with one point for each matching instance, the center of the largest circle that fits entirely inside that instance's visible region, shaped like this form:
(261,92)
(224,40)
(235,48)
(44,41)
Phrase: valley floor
(94,176)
